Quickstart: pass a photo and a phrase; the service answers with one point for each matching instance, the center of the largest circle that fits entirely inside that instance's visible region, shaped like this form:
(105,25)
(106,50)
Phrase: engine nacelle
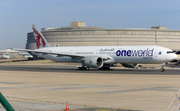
(93,62)
(133,65)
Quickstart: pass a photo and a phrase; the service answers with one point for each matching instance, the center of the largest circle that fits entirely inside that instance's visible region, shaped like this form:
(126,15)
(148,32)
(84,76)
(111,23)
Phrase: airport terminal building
(80,35)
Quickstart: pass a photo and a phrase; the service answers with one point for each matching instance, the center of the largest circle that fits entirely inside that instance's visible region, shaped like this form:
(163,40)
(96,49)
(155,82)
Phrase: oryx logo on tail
(40,40)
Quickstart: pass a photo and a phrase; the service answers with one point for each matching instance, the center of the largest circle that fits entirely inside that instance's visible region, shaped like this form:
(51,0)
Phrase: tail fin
(40,40)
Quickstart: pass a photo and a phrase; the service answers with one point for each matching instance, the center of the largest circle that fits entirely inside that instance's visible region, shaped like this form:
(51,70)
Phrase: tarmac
(47,86)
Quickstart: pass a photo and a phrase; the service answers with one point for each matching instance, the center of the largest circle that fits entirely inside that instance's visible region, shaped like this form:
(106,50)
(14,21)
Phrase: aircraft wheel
(83,68)
(108,68)
(162,69)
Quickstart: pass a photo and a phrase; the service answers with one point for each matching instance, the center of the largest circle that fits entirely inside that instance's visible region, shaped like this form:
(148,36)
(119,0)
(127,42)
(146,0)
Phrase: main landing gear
(87,68)
(104,68)
(83,68)
(162,68)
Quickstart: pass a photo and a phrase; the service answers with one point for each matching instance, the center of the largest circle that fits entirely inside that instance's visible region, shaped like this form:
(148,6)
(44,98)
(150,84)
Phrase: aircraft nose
(175,56)
(171,57)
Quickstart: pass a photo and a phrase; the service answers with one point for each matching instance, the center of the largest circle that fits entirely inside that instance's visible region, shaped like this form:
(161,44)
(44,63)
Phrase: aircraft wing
(58,53)
(49,52)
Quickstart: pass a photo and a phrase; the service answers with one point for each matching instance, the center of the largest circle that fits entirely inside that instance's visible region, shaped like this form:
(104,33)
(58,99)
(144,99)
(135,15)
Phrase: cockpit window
(168,52)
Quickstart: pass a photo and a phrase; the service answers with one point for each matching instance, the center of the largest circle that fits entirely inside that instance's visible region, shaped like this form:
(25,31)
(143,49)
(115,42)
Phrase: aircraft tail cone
(67,107)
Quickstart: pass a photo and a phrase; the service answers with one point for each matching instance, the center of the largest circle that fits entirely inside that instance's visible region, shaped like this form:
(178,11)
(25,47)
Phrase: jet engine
(93,62)
(132,65)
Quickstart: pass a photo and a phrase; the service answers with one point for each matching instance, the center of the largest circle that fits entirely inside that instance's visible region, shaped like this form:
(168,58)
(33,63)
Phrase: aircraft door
(156,51)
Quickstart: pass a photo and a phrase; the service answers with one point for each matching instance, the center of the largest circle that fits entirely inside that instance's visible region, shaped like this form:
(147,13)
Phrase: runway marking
(10,83)
(59,87)
(42,86)
(9,88)
(79,87)
(136,90)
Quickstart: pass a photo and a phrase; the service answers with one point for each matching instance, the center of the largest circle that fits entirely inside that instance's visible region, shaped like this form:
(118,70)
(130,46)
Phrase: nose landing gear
(162,68)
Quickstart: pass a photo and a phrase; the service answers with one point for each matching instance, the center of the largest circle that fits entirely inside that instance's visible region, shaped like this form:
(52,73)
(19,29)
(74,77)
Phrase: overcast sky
(17,16)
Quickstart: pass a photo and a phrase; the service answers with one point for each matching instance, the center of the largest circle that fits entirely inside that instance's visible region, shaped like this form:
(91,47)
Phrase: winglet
(40,40)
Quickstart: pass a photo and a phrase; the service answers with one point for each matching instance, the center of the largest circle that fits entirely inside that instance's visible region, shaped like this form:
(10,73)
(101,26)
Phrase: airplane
(102,57)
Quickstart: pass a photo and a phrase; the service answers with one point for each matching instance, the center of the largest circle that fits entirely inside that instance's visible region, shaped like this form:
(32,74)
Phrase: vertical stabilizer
(39,38)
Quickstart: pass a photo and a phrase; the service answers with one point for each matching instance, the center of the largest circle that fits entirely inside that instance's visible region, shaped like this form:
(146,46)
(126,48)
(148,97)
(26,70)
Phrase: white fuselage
(116,54)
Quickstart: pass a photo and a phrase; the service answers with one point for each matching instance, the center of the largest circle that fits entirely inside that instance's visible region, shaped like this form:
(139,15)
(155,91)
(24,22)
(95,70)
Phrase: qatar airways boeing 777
(102,56)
